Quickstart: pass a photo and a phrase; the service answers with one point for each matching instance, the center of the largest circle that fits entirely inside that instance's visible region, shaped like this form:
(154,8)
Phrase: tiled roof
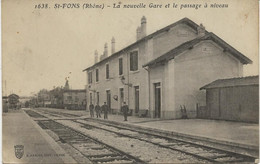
(241,81)
(189,44)
(186,21)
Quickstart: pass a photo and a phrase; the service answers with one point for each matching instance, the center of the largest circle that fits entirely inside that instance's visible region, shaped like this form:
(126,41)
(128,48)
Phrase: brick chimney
(105,51)
(143,27)
(113,45)
(201,30)
(101,57)
(96,56)
(138,33)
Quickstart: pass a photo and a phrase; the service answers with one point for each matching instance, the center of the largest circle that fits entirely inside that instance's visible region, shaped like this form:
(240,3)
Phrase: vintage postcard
(130,81)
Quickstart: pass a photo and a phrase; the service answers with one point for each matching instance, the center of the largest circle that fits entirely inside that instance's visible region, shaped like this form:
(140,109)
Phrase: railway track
(91,148)
(110,154)
(59,114)
(199,151)
(33,114)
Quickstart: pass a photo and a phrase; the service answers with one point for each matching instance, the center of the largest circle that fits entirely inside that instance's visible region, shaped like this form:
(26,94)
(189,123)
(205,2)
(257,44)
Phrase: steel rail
(246,158)
(120,154)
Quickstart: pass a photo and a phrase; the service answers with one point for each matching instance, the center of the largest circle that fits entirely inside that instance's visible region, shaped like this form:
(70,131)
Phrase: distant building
(5,103)
(235,99)
(163,71)
(74,98)
(43,98)
(23,100)
(56,96)
(13,101)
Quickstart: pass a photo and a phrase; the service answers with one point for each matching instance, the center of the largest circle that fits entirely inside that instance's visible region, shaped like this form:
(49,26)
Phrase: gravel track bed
(145,151)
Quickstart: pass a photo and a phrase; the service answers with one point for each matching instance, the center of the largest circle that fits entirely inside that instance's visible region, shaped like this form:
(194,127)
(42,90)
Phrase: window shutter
(120,66)
(97,78)
(107,71)
(136,61)
(131,62)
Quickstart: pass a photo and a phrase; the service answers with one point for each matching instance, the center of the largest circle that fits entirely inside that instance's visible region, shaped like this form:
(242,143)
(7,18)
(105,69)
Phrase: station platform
(236,133)
(39,147)
(244,134)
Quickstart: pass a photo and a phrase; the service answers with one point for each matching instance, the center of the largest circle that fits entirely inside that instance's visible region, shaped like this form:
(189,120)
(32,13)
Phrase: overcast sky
(41,47)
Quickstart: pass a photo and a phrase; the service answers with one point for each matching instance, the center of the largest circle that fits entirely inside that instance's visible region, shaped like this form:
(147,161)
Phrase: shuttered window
(90,77)
(134,61)
(97,78)
(121,66)
(107,71)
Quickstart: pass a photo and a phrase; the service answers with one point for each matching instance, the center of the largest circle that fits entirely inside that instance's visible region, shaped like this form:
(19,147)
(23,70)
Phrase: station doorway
(157,100)
(136,99)
(108,99)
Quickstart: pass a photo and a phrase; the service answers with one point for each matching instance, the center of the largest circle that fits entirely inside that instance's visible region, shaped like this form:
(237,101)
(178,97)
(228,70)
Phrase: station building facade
(162,71)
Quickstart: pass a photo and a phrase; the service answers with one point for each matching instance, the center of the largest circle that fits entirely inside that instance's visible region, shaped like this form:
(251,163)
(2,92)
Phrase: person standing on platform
(125,110)
(97,109)
(105,110)
(91,109)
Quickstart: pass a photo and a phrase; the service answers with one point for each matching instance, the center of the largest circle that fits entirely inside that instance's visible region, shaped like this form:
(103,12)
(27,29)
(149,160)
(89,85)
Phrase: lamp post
(123,82)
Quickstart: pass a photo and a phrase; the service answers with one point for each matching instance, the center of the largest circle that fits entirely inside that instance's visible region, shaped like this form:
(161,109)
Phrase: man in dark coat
(97,109)
(105,110)
(125,110)
(91,109)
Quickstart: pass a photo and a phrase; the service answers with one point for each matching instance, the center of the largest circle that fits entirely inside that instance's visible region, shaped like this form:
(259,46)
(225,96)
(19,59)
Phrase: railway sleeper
(97,148)
(87,127)
(220,156)
(76,141)
(102,155)
(90,145)
(108,159)
(71,137)
(230,159)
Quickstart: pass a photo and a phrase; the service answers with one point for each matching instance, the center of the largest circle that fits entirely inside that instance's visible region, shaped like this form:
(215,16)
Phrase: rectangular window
(90,98)
(90,77)
(107,71)
(134,61)
(121,66)
(97,97)
(97,75)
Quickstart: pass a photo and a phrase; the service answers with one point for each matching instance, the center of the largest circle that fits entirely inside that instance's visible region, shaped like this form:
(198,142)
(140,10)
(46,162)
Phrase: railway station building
(162,72)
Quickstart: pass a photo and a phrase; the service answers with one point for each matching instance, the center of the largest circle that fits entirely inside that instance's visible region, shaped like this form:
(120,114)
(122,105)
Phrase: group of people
(104,108)
(98,110)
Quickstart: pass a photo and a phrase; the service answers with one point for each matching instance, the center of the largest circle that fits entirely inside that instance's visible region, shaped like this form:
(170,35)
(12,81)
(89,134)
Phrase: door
(157,100)
(108,99)
(121,96)
(90,98)
(136,99)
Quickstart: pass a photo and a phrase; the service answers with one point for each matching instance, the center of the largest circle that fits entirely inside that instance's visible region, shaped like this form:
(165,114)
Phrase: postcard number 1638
(41,6)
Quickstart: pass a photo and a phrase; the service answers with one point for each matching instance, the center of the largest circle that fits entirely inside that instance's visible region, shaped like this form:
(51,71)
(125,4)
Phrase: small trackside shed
(235,99)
